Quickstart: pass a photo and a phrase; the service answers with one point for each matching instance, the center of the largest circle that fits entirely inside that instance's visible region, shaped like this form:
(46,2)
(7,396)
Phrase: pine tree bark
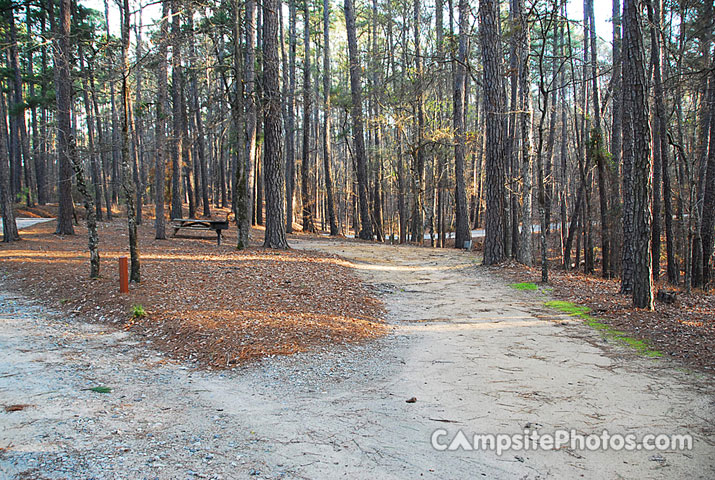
(661,148)
(177,140)
(462,232)
(401,188)
(327,149)
(63,93)
(136,124)
(160,125)
(40,167)
(357,118)
(290,122)
(616,142)
(104,170)
(68,147)
(596,149)
(19,113)
(305,193)
(115,132)
(240,194)
(627,250)
(127,181)
(200,161)
(275,235)
(418,221)
(635,88)
(7,206)
(705,111)
(251,158)
(96,175)
(523,41)
(495,131)
(707,228)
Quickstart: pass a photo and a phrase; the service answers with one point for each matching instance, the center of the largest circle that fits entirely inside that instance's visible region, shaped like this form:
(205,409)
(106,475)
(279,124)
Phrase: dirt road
(477,356)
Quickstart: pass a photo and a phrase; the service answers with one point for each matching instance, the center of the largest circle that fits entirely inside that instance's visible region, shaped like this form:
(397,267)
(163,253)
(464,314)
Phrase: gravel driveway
(475,354)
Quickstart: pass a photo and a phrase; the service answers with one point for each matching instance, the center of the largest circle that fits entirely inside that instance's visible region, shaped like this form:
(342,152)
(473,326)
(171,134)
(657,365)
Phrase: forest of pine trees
(390,120)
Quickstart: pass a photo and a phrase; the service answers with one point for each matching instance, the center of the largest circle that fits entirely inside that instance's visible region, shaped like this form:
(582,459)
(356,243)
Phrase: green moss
(524,286)
(568,307)
(593,323)
(607,331)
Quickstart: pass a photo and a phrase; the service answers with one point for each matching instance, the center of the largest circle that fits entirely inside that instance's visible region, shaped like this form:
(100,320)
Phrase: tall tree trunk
(66,141)
(495,131)
(200,162)
(19,113)
(104,170)
(616,143)
(638,154)
(401,188)
(177,140)
(661,148)
(523,41)
(137,127)
(258,182)
(707,228)
(275,236)
(96,175)
(37,140)
(114,134)
(357,117)
(160,126)
(305,194)
(240,194)
(63,94)
(627,274)
(563,154)
(127,180)
(582,140)
(251,157)
(707,91)
(327,150)
(511,167)
(7,206)
(441,161)
(290,123)
(596,149)
(462,231)
(419,156)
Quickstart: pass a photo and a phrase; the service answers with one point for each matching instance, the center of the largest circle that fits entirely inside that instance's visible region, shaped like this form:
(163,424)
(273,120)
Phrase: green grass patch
(138,311)
(100,389)
(641,347)
(524,286)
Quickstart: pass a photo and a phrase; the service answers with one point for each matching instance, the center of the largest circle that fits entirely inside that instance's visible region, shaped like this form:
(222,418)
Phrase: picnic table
(200,224)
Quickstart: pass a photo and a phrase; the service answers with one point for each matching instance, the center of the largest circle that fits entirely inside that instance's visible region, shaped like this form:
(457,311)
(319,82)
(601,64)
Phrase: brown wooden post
(123,275)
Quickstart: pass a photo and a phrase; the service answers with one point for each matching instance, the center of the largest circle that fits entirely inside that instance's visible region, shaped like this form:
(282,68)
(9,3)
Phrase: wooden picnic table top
(200,224)
(199,220)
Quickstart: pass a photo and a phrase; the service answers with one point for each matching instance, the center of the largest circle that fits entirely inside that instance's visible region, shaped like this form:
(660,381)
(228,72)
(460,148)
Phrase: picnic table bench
(200,224)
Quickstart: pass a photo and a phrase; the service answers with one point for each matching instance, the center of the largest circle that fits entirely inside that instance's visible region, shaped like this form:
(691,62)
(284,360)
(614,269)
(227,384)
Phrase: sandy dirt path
(477,355)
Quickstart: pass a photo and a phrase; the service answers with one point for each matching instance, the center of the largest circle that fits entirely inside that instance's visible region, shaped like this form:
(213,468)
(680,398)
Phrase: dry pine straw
(204,303)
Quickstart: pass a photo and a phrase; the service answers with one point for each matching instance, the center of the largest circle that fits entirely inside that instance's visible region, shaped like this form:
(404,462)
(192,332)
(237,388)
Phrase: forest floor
(469,351)
(198,302)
